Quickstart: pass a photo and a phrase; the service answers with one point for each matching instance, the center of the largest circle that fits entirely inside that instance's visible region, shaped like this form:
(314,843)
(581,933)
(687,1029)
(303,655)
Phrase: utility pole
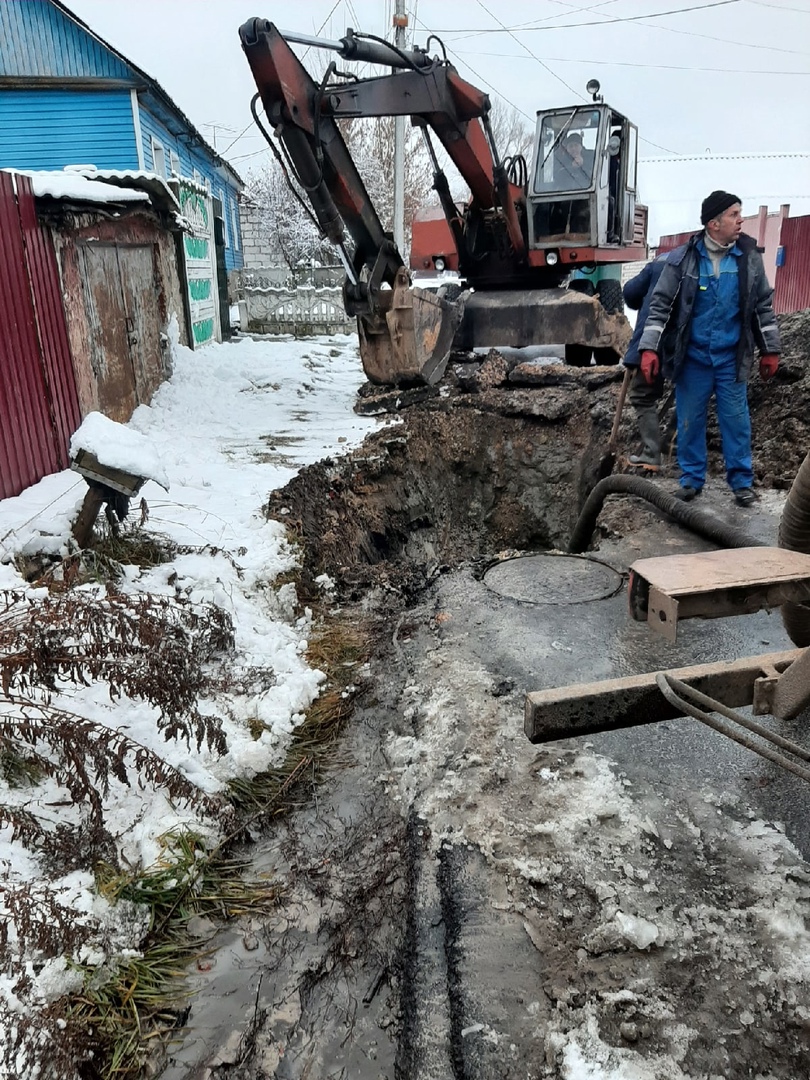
(400,25)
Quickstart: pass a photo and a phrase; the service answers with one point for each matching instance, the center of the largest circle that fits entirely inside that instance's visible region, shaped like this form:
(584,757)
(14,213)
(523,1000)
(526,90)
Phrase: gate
(199,255)
(39,408)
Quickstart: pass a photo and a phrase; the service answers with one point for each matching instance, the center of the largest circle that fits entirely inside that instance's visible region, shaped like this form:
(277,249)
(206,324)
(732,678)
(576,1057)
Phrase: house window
(198,178)
(174,162)
(158,157)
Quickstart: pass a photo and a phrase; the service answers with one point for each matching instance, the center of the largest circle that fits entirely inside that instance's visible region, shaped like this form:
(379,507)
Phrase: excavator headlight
(438,262)
(552,258)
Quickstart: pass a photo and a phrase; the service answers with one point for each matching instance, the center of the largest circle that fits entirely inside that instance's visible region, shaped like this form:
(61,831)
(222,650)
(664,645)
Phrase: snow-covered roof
(71,185)
(122,179)
(87,184)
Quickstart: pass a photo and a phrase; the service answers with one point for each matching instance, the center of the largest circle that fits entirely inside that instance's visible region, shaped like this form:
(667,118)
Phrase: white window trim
(221,195)
(136,122)
(235,224)
(158,145)
(174,163)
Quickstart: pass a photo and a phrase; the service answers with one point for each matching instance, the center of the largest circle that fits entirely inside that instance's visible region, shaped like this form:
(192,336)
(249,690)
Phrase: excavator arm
(405,333)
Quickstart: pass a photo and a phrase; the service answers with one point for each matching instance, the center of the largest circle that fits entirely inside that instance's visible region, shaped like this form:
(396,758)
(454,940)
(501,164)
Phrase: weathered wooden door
(143,320)
(121,301)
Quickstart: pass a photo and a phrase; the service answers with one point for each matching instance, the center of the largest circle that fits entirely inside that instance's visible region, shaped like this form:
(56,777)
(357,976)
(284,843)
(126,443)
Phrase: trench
(429,930)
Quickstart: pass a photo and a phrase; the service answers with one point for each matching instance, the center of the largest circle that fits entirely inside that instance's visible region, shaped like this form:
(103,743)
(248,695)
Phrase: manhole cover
(553,579)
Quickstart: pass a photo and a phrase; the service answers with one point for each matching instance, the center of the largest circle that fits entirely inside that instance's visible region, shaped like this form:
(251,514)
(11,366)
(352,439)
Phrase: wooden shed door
(120,297)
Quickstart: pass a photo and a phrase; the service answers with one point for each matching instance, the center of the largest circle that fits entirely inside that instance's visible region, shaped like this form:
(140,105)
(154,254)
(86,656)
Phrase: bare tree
(512,131)
(371,144)
(293,235)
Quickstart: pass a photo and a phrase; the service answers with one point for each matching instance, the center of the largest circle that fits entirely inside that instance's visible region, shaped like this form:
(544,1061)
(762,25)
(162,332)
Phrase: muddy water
(461,904)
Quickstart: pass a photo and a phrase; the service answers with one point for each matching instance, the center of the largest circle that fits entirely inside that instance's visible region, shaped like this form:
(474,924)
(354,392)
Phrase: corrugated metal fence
(39,408)
(792,291)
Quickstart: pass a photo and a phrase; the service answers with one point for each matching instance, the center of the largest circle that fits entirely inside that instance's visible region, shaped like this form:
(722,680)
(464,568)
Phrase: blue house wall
(48,129)
(191,162)
(67,98)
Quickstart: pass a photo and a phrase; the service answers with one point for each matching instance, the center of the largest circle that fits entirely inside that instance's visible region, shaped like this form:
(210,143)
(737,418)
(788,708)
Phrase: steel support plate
(585,708)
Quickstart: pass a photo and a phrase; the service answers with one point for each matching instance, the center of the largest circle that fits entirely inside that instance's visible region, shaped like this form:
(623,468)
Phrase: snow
(118,447)
(234,422)
(71,185)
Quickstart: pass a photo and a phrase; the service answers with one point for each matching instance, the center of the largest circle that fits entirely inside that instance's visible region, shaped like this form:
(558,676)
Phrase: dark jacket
(668,325)
(637,296)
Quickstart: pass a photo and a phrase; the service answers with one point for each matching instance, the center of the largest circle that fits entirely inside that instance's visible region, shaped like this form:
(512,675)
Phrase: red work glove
(768,363)
(650,366)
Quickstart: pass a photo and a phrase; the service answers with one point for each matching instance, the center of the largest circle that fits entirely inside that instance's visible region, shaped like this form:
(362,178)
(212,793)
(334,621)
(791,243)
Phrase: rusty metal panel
(27,440)
(49,310)
(792,292)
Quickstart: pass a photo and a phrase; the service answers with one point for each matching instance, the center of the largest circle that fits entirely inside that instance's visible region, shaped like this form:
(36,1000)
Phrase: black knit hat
(714,205)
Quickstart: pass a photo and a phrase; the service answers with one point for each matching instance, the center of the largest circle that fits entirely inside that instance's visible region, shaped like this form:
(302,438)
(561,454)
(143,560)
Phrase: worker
(712,307)
(644,396)
(575,164)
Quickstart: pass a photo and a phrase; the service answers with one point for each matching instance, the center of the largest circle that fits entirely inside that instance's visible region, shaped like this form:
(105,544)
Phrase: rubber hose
(794,534)
(696,520)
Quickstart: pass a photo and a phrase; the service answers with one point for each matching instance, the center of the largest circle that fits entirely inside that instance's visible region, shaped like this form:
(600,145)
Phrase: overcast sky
(719,77)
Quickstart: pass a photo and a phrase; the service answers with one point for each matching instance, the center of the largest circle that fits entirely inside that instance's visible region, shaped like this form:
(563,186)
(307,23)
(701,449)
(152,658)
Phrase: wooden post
(86,518)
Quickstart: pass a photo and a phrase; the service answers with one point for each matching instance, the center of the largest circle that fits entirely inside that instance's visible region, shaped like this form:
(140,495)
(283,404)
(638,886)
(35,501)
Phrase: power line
(726,157)
(480,78)
(527,27)
(559,78)
(652,67)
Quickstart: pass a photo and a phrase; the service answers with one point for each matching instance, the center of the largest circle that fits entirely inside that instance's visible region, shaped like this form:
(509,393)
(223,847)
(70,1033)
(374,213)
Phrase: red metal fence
(39,408)
(792,291)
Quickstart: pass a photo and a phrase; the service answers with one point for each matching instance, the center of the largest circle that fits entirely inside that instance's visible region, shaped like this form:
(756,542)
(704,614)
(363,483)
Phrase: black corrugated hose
(697,520)
(794,534)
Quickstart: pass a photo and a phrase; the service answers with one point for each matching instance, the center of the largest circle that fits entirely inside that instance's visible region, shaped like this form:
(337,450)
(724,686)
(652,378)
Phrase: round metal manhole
(553,579)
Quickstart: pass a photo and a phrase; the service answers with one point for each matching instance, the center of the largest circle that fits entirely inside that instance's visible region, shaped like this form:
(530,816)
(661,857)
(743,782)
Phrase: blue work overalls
(710,367)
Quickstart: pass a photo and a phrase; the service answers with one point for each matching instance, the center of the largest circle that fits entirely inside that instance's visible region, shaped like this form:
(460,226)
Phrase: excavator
(537,245)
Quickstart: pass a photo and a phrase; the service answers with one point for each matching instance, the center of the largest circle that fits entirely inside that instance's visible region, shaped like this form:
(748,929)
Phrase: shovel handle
(614,435)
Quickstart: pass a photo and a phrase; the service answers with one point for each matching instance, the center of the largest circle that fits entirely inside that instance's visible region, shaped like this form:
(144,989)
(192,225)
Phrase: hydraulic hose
(794,534)
(695,519)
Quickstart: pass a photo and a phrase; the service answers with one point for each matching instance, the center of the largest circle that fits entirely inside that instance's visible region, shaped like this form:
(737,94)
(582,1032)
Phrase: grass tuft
(134,1005)
(336,648)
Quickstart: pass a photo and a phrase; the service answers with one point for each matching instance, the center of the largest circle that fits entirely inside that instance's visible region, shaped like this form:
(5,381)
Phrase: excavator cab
(582,192)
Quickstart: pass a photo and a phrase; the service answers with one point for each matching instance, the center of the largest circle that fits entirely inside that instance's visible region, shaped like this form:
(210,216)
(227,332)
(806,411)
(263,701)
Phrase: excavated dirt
(460,905)
(501,456)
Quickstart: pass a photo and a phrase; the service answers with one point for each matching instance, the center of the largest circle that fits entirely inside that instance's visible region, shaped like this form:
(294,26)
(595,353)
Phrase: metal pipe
(363,49)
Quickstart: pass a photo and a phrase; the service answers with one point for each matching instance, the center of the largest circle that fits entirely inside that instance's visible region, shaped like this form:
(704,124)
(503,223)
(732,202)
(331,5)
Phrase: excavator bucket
(410,340)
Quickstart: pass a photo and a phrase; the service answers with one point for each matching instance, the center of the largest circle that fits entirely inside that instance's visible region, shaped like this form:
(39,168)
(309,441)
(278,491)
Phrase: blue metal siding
(48,129)
(38,41)
(192,160)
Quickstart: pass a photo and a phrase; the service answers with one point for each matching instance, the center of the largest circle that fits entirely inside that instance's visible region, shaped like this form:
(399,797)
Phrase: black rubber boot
(650,431)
